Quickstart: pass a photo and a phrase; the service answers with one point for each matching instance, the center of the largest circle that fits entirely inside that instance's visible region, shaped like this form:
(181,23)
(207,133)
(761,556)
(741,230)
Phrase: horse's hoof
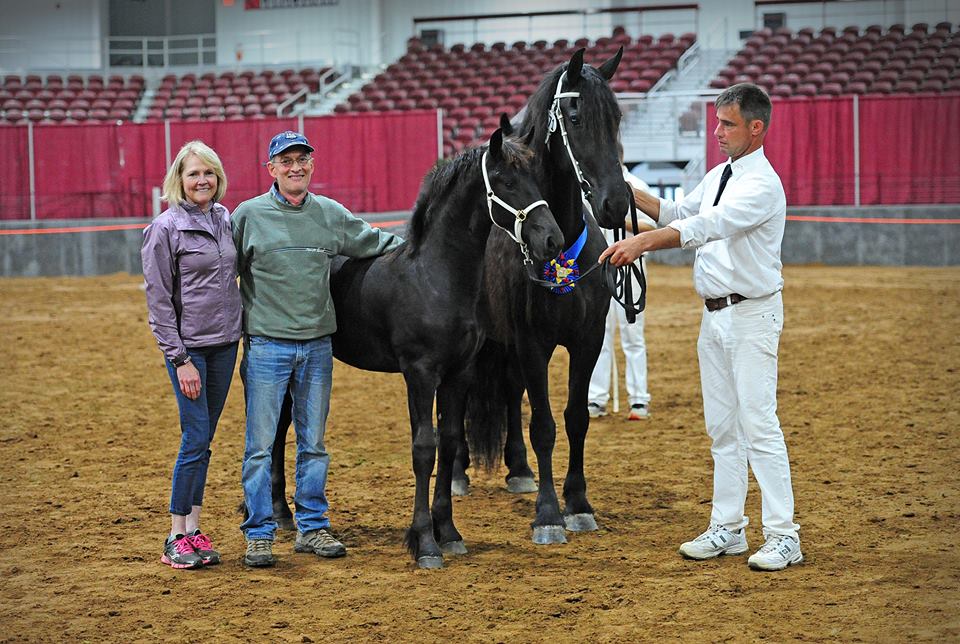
(583,522)
(460,487)
(521,485)
(286,523)
(430,563)
(454,548)
(546,534)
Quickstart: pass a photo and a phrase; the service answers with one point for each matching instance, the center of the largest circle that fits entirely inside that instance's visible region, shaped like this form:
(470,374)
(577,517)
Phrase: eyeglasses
(288,163)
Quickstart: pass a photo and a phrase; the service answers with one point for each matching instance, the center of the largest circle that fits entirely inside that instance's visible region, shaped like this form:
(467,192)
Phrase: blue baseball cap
(286,140)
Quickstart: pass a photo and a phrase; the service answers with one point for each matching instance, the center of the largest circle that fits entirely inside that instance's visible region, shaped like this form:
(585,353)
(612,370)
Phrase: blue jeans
(198,422)
(268,368)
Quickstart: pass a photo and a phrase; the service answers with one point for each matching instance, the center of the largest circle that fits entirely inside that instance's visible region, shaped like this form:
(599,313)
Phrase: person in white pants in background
(631,335)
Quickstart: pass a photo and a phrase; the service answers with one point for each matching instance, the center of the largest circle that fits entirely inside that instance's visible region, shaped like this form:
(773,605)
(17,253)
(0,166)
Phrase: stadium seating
(229,95)
(853,61)
(96,99)
(474,84)
(50,100)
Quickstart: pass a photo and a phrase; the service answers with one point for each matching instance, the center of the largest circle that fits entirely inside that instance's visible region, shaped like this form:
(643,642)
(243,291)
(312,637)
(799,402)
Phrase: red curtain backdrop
(368,162)
(910,149)
(810,145)
(14,173)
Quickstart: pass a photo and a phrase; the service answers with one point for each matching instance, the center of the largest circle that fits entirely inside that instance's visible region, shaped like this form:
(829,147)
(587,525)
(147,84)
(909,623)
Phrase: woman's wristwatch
(181,359)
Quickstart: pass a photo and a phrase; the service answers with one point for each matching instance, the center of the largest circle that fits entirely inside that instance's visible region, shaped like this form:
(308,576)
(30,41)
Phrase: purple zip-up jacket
(191,280)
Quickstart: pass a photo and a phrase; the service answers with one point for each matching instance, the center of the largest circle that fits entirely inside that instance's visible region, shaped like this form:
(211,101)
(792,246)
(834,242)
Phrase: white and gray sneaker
(777,553)
(716,541)
(596,410)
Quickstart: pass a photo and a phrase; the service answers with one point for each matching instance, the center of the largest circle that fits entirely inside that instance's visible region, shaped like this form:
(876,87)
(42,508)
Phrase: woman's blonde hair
(173,183)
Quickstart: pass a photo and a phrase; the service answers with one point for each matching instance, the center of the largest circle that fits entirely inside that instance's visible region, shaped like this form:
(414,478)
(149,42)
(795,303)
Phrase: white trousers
(737,349)
(635,352)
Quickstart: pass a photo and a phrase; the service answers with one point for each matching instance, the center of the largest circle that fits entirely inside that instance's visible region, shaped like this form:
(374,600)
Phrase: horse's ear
(608,68)
(531,136)
(505,126)
(575,67)
(496,142)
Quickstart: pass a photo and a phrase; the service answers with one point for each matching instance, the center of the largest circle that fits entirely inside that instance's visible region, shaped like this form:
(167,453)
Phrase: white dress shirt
(738,240)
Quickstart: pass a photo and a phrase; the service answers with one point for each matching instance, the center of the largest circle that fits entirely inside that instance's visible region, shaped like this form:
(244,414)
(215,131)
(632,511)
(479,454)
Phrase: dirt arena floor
(869,402)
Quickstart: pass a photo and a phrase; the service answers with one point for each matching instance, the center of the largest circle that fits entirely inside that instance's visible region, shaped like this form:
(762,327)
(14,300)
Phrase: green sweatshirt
(283,258)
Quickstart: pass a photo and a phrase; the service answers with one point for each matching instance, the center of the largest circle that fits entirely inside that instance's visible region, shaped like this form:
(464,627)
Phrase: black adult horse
(415,311)
(576,107)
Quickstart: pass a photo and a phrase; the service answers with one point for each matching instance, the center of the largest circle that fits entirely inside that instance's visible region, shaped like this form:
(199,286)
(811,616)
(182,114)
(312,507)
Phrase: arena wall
(888,236)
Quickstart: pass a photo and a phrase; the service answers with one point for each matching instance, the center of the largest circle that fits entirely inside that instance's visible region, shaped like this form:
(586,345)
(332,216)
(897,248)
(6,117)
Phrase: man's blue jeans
(198,422)
(268,368)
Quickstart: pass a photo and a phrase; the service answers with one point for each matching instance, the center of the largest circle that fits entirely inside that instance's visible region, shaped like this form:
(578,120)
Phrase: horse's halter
(520,215)
(555,118)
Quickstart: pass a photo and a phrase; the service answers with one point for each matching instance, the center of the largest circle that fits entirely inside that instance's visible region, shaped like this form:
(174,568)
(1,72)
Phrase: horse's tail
(486,411)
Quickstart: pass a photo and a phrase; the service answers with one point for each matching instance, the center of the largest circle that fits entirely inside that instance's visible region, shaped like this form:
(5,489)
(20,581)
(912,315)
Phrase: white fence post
(856,150)
(32,173)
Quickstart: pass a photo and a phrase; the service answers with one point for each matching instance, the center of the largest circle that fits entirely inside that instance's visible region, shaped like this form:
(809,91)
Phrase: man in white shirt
(735,220)
(631,335)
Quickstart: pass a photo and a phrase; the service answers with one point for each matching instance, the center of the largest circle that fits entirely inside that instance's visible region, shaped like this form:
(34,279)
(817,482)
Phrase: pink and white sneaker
(203,547)
(178,552)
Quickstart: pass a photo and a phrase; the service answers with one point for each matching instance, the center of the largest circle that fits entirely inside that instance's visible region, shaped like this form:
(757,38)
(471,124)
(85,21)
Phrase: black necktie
(727,173)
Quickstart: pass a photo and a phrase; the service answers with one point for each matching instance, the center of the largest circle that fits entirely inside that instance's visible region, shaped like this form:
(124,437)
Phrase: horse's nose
(614,209)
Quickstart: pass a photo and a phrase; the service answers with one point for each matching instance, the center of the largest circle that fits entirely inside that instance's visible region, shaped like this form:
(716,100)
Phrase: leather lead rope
(618,279)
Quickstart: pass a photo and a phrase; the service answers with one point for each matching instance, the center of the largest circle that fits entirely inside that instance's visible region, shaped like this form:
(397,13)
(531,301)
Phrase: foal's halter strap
(555,119)
(520,215)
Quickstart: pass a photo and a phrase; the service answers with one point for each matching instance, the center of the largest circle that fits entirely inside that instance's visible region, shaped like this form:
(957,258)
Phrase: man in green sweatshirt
(285,241)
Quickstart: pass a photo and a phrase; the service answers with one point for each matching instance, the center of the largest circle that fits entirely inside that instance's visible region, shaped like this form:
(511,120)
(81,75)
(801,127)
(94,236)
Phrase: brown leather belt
(724,302)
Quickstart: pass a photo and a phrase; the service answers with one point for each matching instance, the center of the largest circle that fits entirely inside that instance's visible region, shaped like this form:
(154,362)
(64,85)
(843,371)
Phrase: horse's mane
(597,101)
(446,176)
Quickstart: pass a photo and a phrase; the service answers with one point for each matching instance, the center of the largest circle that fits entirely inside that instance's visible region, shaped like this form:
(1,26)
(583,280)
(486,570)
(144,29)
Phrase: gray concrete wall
(841,243)
(38,251)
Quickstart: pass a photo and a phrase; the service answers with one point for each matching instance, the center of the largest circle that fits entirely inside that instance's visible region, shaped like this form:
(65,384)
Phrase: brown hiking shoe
(320,542)
(259,553)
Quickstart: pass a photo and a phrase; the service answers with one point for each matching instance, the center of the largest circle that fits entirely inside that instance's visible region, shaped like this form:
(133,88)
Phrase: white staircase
(336,92)
(652,129)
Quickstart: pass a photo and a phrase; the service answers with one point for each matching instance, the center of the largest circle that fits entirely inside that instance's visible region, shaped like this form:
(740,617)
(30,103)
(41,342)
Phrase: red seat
(932,85)
(781,90)
(13,115)
(854,87)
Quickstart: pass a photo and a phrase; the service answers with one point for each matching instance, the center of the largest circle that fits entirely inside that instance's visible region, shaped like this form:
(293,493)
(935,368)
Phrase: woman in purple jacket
(189,268)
